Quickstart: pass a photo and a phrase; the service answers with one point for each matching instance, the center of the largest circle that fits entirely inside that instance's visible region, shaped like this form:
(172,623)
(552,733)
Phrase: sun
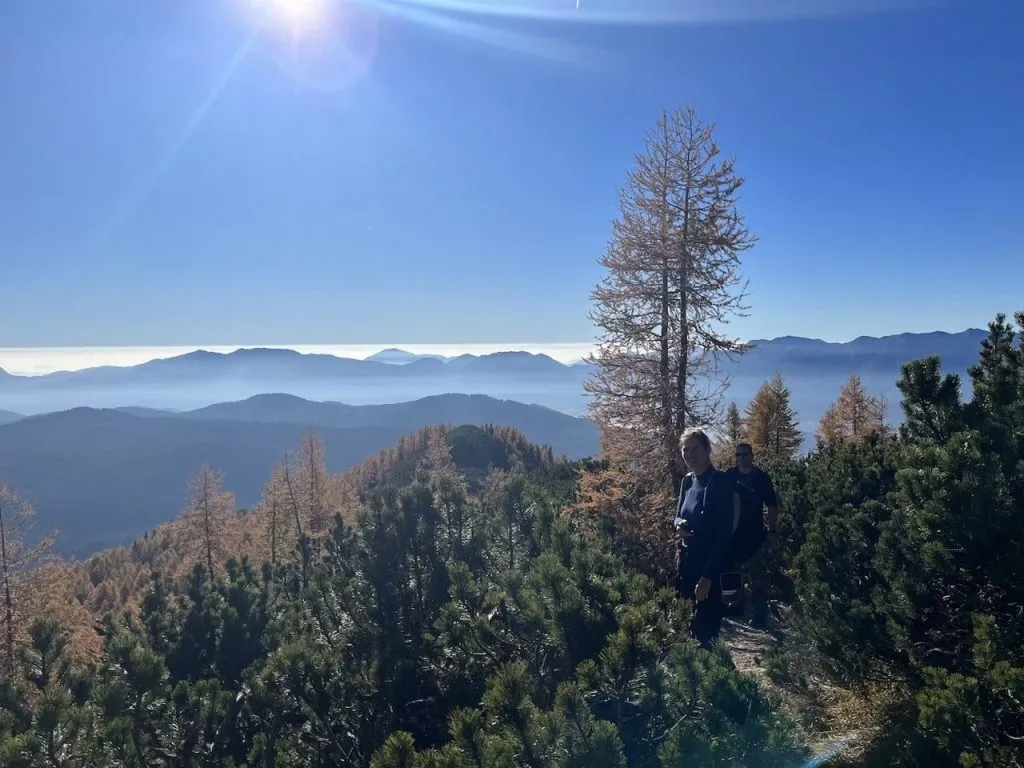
(299,15)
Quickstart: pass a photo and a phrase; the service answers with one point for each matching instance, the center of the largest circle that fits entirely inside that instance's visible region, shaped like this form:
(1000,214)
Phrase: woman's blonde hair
(696,434)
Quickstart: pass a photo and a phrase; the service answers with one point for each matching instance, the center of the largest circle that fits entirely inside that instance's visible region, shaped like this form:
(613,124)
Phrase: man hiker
(760,484)
(706,514)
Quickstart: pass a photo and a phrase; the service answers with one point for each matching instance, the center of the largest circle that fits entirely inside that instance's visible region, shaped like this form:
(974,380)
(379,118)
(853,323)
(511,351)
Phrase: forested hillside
(436,627)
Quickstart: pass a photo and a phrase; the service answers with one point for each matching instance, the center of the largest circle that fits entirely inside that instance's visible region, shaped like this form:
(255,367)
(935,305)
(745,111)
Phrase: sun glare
(298,15)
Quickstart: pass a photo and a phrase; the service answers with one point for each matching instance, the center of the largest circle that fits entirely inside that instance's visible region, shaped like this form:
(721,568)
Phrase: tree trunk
(664,371)
(208,526)
(273,532)
(8,600)
(677,469)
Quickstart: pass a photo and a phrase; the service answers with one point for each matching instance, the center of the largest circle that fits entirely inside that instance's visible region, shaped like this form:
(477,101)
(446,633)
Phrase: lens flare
(650,12)
(299,16)
(323,44)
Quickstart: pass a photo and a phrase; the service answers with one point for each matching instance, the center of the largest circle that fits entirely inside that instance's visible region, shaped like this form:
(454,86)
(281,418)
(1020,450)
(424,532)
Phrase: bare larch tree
(854,416)
(773,426)
(300,501)
(17,560)
(205,519)
(317,484)
(280,534)
(672,284)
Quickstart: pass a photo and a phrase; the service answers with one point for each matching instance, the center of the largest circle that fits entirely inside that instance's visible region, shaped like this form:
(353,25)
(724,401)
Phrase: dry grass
(831,716)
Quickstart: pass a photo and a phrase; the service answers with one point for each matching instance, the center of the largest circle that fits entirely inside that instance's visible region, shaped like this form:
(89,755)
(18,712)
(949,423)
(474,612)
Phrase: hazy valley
(813,369)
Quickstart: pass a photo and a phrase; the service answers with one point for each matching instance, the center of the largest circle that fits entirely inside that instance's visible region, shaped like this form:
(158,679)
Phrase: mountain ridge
(186,360)
(377,363)
(104,475)
(201,378)
(397,356)
(6,417)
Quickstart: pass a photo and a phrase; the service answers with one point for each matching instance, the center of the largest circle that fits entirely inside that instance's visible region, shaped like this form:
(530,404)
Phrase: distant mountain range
(394,356)
(277,363)
(105,476)
(795,355)
(200,378)
(814,370)
(197,379)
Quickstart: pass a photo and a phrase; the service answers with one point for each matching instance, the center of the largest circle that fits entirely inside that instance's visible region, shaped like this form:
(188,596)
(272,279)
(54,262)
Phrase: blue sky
(170,176)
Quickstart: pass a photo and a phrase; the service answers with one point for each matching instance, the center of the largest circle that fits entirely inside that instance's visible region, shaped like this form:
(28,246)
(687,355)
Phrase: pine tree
(773,428)
(483,628)
(45,659)
(672,283)
(916,580)
(932,404)
(61,729)
(438,472)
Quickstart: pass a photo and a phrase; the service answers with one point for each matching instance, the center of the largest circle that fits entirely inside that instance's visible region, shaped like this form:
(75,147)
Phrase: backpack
(750,531)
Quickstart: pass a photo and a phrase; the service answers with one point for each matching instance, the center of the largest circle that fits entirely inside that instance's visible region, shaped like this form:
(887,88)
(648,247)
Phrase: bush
(909,567)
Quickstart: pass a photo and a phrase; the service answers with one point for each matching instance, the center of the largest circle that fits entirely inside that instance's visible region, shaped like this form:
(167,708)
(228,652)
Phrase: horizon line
(380,345)
(404,346)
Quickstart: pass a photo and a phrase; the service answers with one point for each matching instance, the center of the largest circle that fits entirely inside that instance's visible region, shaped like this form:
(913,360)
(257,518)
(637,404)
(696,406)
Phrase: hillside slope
(570,435)
(121,573)
(6,417)
(103,477)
